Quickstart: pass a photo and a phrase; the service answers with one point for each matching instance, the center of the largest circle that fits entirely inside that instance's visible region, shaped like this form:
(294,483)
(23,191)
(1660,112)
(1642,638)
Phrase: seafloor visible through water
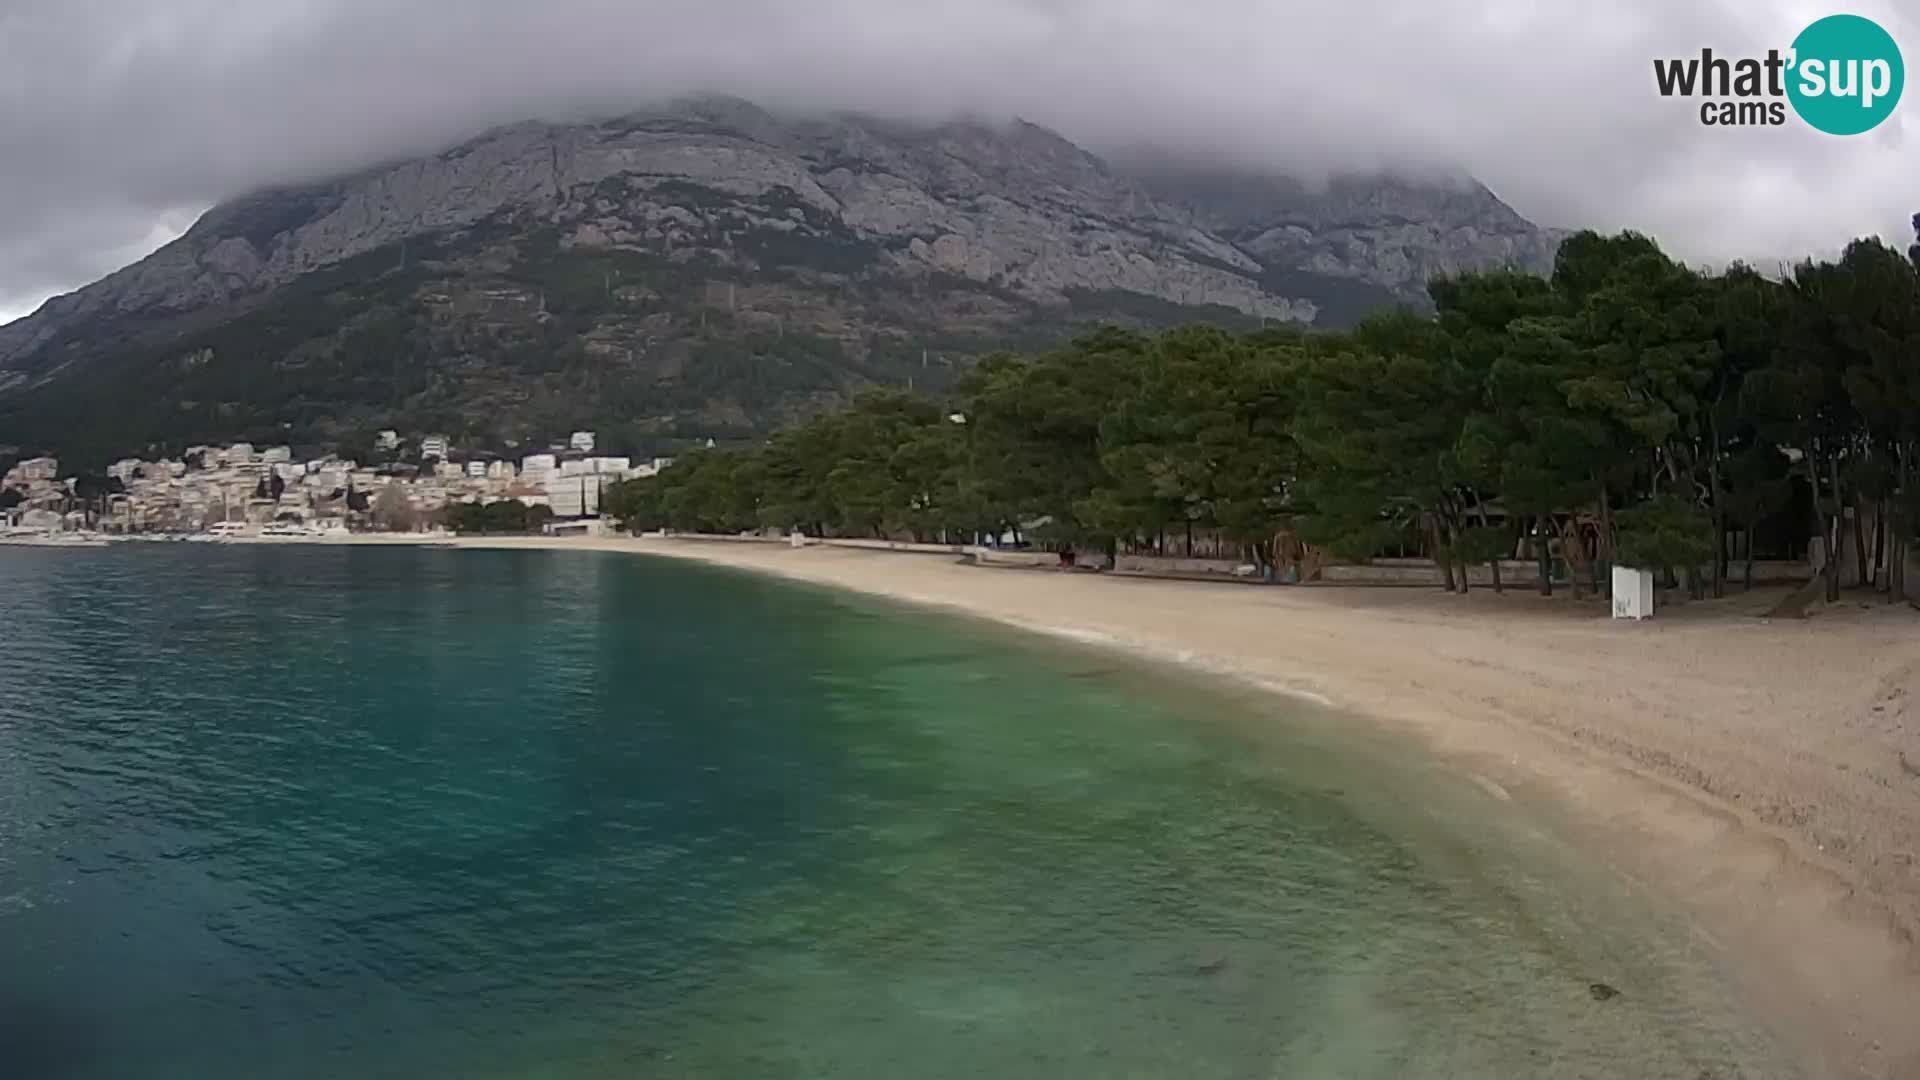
(349,812)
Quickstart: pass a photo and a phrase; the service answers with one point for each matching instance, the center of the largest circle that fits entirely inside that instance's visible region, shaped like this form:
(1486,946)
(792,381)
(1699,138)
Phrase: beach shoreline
(1736,765)
(1757,772)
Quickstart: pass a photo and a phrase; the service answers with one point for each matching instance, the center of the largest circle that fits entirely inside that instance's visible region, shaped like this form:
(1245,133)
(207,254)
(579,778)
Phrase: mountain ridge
(861,235)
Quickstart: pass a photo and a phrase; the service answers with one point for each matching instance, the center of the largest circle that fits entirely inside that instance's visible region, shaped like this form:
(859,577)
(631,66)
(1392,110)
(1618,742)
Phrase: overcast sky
(121,120)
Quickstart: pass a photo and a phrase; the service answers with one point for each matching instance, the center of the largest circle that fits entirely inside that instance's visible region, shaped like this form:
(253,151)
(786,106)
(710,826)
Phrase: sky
(122,120)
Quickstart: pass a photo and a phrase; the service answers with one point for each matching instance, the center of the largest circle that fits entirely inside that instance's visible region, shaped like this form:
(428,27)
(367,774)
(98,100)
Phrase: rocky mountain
(702,269)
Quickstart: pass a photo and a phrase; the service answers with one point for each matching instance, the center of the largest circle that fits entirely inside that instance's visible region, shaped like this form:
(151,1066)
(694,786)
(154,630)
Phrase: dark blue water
(349,812)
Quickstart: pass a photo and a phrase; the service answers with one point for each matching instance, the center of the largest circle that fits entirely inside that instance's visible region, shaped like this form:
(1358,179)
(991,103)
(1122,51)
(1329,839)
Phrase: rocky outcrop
(1394,233)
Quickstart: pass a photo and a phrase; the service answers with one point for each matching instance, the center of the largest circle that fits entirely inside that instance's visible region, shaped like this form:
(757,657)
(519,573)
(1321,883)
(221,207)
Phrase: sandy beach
(1764,774)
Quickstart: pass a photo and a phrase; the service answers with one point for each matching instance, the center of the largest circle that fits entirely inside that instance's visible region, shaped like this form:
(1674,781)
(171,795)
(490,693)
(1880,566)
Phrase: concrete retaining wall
(987,556)
(1423,572)
(891,545)
(724,538)
(1157,564)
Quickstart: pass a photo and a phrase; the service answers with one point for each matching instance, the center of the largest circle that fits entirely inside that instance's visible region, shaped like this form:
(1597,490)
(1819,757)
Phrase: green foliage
(88,486)
(1665,531)
(1482,543)
(1203,437)
(1651,402)
(500,516)
(719,491)
(1379,425)
(635,504)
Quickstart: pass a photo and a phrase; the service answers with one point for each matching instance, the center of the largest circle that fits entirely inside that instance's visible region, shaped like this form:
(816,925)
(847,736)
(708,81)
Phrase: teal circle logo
(1846,75)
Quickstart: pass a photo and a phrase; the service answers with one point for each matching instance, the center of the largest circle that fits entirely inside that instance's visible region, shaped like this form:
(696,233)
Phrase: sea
(350,812)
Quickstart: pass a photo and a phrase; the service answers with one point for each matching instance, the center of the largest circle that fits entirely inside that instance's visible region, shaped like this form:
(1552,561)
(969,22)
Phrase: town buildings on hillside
(267,485)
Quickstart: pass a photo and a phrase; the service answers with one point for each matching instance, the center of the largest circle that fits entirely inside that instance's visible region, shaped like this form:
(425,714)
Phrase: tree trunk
(1493,565)
(1574,551)
(1749,579)
(1860,548)
(1603,548)
(1834,530)
(1899,575)
(1881,581)
(1899,529)
(1543,553)
(1719,514)
(1441,557)
(1453,556)
(1821,527)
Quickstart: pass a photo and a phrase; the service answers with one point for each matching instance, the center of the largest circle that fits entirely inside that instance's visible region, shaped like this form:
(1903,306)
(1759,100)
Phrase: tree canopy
(1628,408)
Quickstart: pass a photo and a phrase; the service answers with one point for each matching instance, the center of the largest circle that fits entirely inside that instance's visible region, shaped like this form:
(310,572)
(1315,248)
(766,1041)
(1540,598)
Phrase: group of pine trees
(1628,409)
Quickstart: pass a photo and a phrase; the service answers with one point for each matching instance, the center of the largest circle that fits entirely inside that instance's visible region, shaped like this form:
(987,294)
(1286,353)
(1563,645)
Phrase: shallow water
(327,812)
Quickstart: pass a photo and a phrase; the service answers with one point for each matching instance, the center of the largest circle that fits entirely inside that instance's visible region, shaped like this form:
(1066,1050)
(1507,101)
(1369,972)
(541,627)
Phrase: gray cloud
(120,119)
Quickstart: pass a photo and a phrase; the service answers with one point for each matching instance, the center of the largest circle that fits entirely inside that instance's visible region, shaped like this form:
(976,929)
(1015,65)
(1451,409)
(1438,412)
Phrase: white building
(124,469)
(581,441)
(32,470)
(536,468)
(477,470)
(387,440)
(500,470)
(277,455)
(577,495)
(612,465)
(434,446)
(240,453)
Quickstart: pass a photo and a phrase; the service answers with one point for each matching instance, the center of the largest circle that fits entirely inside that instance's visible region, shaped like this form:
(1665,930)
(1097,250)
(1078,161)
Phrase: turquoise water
(348,812)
